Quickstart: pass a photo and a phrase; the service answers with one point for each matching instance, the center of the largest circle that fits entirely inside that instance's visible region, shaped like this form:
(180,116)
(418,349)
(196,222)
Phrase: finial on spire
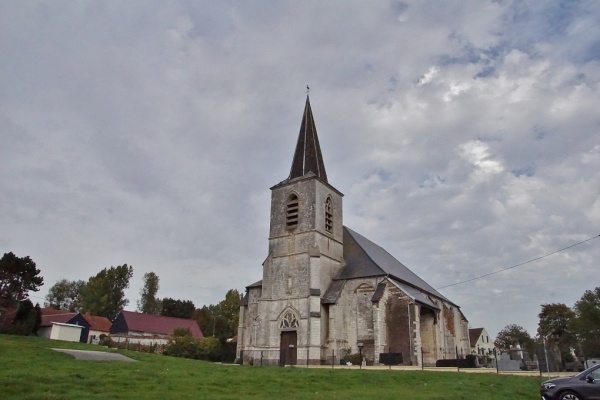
(307,89)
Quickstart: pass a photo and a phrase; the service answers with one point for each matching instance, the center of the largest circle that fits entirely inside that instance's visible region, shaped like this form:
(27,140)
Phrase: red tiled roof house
(60,325)
(148,329)
(93,326)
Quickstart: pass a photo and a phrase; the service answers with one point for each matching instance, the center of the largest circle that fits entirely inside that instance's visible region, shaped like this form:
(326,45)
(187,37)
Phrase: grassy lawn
(30,370)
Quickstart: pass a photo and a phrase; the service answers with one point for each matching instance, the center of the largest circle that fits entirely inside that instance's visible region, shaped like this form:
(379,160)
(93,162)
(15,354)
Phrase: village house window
(291,217)
(289,321)
(329,215)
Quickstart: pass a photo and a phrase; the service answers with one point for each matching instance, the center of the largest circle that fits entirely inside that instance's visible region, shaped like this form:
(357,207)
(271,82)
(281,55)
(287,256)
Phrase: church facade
(327,291)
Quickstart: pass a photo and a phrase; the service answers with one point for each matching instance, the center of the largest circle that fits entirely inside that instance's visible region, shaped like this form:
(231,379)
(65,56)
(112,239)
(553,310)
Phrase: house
(50,317)
(327,291)
(97,326)
(92,326)
(482,345)
(148,329)
(61,325)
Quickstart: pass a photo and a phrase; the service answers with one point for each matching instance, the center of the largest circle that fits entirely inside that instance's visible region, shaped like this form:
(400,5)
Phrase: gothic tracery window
(291,217)
(289,321)
(329,215)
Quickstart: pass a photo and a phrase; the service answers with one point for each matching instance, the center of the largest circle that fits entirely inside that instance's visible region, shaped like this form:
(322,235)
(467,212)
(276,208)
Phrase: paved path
(95,355)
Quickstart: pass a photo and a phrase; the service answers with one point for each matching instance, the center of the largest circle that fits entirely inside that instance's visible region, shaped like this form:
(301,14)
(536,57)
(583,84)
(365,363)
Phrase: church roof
(333,292)
(416,294)
(308,157)
(366,259)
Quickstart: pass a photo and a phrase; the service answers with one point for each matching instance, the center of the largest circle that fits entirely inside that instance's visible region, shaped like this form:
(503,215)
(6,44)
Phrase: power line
(518,265)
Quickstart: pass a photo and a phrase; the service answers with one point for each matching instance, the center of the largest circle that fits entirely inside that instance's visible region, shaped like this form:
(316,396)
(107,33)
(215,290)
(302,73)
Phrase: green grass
(30,370)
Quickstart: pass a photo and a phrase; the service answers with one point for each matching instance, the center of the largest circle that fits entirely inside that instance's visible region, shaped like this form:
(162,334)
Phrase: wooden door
(288,351)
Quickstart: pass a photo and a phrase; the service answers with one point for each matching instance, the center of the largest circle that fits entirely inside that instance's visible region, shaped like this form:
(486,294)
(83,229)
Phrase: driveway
(95,355)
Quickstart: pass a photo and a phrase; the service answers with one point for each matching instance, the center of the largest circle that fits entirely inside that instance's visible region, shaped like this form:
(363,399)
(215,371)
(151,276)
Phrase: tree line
(561,327)
(103,294)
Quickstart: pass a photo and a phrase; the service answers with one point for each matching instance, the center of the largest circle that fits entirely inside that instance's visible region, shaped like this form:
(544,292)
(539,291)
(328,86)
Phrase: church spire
(308,157)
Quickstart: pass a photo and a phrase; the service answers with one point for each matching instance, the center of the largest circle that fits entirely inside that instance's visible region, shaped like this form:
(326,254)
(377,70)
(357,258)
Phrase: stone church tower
(305,253)
(326,289)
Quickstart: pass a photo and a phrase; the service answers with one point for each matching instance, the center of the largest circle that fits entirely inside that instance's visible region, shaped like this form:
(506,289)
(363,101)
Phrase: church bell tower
(305,253)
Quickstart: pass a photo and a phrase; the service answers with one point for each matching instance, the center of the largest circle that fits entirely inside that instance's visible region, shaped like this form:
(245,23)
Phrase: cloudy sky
(465,137)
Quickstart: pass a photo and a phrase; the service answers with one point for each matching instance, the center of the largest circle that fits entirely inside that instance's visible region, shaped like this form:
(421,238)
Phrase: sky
(464,135)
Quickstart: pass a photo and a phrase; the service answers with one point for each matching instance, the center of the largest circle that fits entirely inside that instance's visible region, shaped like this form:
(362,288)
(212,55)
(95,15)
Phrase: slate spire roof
(308,157)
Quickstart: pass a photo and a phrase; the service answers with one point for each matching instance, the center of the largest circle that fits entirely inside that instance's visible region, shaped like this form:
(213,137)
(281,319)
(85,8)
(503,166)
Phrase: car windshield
(594,371)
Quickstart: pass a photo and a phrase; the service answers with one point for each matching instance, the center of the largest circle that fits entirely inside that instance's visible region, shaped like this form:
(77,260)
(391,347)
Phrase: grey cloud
(150,133)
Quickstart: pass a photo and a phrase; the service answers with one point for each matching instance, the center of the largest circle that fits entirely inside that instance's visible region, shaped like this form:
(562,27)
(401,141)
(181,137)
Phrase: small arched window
(291,217)
(289,321)
(329,215)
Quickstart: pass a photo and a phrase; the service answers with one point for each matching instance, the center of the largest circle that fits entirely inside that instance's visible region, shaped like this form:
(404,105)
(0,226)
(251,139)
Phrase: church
(327,291)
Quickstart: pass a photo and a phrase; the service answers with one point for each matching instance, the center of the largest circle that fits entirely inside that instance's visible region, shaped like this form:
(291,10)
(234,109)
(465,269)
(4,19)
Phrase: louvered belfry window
(291,219)
(328,215)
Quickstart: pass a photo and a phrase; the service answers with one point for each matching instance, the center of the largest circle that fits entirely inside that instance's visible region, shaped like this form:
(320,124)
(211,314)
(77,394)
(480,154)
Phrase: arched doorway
(288,345)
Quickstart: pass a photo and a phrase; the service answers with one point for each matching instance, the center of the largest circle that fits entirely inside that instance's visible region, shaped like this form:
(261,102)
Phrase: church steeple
(308,157)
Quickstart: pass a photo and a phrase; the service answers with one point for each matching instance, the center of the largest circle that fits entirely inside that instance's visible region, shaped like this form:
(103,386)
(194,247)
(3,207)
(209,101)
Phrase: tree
(17,277)
(27,319)
(104,294)
(511,335)
(230,311)
(177,308)
(65,295)
(554,324)
(220,320)
(148,303)
(587,322)
(203,317)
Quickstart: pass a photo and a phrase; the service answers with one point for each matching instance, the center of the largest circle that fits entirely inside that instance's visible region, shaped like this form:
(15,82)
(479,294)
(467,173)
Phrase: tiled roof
(47,320)
(156,324)
(474,334)
(255,284)
(97,323)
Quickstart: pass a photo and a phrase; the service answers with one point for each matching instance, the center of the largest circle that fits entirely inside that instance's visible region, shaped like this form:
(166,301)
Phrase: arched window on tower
(291,217)
(329,215)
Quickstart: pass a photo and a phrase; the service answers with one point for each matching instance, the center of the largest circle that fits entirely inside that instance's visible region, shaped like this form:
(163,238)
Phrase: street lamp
(214,320)
(360,347)
(546,355)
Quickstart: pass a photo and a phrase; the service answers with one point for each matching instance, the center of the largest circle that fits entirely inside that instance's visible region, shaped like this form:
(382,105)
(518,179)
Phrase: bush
(104,340)
(183,344)
(355,359)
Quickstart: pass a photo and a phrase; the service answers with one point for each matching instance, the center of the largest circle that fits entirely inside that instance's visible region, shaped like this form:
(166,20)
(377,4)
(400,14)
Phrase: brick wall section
(398,317)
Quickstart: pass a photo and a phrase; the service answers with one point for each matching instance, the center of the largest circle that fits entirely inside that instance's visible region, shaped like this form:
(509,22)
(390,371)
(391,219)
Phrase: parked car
(583,386)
